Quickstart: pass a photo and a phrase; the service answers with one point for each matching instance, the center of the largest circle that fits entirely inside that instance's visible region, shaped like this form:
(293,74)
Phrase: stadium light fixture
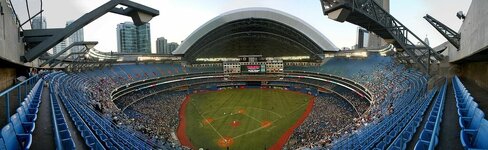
(461,15)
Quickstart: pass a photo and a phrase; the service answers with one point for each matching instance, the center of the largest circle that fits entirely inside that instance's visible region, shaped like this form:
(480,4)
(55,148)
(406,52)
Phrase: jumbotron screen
(253,68)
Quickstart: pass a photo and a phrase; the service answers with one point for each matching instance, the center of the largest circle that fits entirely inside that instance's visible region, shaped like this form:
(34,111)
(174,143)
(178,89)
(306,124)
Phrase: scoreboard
(253,68)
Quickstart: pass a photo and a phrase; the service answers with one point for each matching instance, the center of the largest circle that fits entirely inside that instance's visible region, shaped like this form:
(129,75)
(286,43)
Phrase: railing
(19,92)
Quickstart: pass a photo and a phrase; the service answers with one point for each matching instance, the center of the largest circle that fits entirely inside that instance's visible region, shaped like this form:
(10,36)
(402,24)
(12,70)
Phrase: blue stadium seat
(473,122)
(14,141)
(475,139)
(474,128)
(464,107)
(24,117)
(22,127)
(29,109)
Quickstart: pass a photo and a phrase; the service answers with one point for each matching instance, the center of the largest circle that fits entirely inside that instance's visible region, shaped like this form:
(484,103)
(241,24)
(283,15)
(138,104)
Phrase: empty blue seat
(472,122)
(31,103)
(14,141)
(22,127)
(26,117)
(466,104)
(471,139)
(469,110)
(462,103)
(28,109)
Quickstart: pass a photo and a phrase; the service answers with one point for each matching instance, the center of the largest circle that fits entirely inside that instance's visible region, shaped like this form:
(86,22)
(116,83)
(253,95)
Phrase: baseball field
(242,118)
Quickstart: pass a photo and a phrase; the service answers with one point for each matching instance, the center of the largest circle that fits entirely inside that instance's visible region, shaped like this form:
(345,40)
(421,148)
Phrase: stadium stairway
(42,138)
(449,133)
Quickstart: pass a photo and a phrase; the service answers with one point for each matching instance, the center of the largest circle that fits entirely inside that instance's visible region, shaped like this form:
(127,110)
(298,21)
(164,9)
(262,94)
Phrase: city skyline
(187,16)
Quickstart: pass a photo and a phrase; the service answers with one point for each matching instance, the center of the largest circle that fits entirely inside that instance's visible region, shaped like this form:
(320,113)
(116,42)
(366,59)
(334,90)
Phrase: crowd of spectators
(360,103)
(330,114)
(156,116)
(382,77)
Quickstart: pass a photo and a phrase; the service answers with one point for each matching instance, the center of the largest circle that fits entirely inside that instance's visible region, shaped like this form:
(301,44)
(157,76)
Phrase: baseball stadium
(250,78)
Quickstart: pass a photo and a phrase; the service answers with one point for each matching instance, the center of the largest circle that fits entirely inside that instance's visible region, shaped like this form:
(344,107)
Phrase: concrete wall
(475,71)
(474,31)
(449,47)
(11,45)
(7,77)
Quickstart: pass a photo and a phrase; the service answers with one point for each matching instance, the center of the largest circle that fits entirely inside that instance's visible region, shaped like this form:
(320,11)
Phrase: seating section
(474,127)
(397,128)
(429,136)
(62,136)
(97,131)
(17,134)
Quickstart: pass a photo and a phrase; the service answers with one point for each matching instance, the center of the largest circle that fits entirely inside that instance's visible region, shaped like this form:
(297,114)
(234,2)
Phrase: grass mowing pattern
(242,118)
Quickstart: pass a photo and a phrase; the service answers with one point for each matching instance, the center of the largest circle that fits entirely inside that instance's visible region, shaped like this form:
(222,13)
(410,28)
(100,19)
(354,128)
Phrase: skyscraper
(78,36)
(362,39)
(162,46)
(59,47)
(133,39)
(39,22)
(172,46)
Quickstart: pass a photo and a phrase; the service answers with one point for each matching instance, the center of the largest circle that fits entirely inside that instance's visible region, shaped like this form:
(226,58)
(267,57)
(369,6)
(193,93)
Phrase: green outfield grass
(248,118)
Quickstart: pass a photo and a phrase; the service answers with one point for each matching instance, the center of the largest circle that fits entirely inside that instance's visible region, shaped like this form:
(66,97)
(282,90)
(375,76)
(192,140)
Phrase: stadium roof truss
(369,15)
(41,40)
(452,36)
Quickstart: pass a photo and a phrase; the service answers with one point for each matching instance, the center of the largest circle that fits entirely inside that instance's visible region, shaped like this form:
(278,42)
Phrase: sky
(179,18)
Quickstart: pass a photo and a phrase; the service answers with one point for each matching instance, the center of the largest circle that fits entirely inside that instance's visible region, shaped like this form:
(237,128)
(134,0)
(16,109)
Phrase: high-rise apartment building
(172,46)
(133,39)
(39,22)
(78,36)
(162,46)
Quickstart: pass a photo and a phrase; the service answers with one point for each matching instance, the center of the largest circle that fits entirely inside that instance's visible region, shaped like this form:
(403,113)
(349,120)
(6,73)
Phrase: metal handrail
(26,83)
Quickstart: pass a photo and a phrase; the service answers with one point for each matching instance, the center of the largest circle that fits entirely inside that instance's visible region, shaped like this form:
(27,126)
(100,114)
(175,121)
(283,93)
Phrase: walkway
(449,133)
(43,137)
(79,142)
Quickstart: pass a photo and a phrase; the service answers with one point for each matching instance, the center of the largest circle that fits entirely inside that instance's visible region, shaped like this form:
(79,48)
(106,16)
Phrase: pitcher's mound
(225,142)
(235,123)
(266,124)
